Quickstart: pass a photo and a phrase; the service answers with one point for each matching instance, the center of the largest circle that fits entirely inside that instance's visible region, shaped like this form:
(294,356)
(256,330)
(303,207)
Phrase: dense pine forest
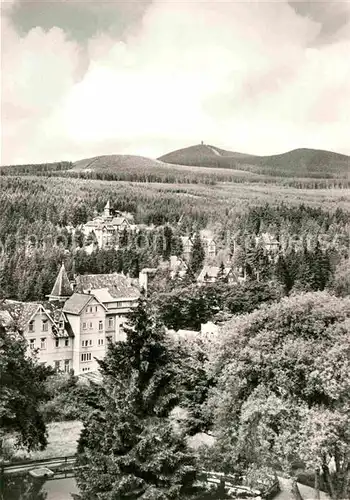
(41,216)
(287,313)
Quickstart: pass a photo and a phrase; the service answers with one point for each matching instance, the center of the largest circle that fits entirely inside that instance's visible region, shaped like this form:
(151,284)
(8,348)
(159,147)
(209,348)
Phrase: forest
(282,346)
(198,171)
(39,215)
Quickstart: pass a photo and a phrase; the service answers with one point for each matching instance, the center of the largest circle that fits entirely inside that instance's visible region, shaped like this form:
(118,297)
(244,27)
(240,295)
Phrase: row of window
(86,343)
(90,309)
(65,367)
(65,343)
(100,325)
(44,325)
(43,343)
(86,356)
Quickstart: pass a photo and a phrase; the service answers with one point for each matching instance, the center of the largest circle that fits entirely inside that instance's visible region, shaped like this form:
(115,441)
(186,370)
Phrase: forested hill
(204,164)
(297,163)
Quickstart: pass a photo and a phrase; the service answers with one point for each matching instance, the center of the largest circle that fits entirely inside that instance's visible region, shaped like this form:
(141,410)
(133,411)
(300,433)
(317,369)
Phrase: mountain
(141,169)
(297,163)
(114,162)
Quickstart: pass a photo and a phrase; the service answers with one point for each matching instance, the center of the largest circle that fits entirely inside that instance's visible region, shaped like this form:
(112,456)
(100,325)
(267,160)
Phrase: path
(213,150)
(51,463)
(306,492)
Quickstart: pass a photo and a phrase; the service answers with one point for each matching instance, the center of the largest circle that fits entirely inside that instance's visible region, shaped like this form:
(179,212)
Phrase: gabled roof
(62,287)
(186,240)
(212,272)
(20,312)
(100,222)
(117,285)
(118,221)
(76,303)
(23,312)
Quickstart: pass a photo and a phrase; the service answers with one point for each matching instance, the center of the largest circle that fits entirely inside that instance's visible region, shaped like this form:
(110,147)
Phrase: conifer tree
(221,273)
(321,268)
(124,238)
(197,256)
(128,446)
(168,240)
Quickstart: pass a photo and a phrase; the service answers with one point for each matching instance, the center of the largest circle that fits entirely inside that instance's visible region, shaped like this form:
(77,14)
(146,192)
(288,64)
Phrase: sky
(86,78)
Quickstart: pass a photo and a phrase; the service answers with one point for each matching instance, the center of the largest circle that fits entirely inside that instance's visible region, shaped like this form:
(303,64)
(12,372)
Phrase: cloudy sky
(83,78)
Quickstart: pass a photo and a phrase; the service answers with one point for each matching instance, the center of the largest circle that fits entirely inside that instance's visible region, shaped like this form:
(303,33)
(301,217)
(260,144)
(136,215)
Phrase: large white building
(108,227)
(73,328)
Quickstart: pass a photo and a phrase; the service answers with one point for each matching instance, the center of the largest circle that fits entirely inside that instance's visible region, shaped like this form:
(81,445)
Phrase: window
(100,341)
(110,322)
(90,325)
(95,308)
(100,325)
(43,343)
(57,342)
(31,326)
(32,343)
(57,365)
(90,342)
(66,365)
(84,343)
(45,325)
(87,309)
(66,342)
(86,356)
(84,325)
(61,324)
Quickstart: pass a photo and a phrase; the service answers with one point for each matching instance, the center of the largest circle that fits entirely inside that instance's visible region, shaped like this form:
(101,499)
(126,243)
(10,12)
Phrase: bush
(66,398)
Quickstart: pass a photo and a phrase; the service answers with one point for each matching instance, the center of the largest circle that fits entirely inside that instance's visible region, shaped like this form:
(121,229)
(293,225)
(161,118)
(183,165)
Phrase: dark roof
(213,272)
(76,303)
(62,286)
(118,285)
(21,312)
(102,221)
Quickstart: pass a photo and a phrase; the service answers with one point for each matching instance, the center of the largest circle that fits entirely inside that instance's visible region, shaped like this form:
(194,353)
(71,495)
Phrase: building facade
(107,227)
(73,328)
(209,247)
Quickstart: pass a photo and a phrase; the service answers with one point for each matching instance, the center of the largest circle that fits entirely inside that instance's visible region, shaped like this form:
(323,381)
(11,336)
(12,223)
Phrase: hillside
(202,155)
(297,163)
(115,162)
(139,168)
(204,164)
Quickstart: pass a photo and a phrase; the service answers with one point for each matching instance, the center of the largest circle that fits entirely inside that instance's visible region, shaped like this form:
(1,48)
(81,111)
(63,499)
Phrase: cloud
(242,75)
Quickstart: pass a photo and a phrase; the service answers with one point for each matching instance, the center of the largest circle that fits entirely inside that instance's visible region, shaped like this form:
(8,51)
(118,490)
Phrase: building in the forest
(268,242)
(208,243)
(75,325)
(212,274)
(107,227)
